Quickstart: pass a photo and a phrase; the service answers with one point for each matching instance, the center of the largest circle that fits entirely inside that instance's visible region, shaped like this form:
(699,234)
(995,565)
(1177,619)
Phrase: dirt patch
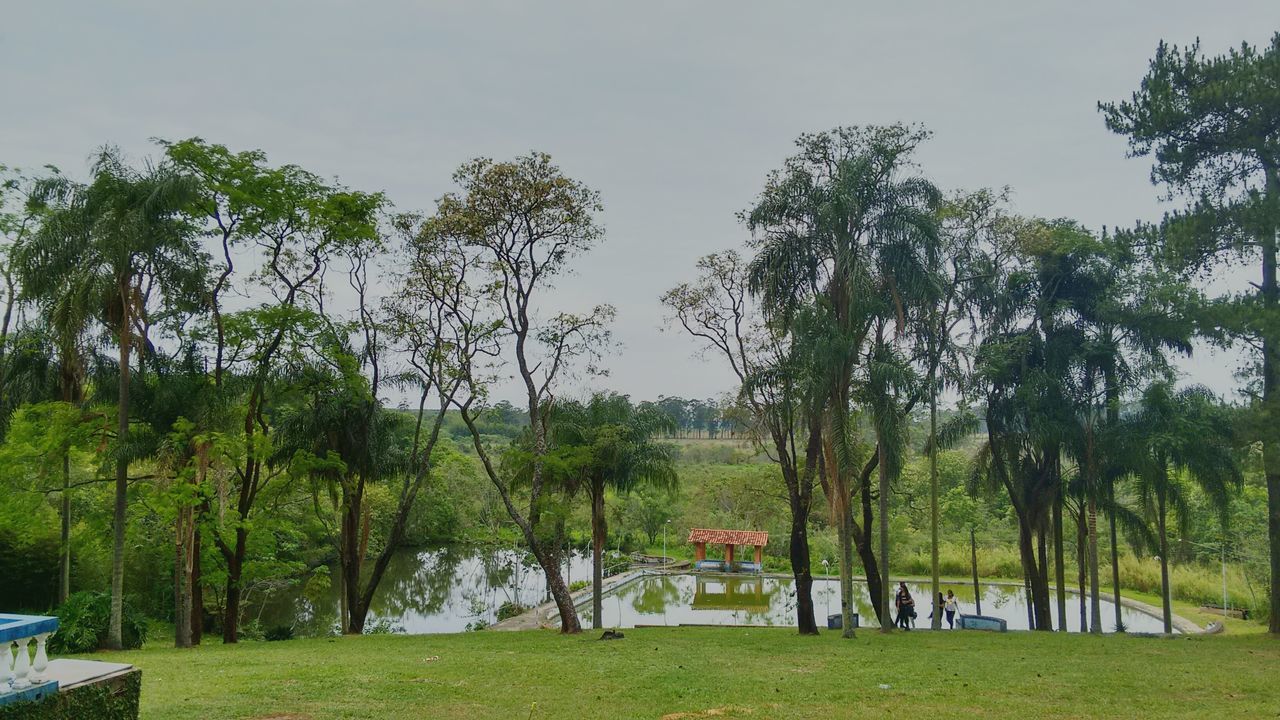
(726,712)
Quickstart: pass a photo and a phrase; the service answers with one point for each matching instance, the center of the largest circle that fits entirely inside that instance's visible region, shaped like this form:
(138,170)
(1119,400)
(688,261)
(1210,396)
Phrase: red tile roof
(728,537)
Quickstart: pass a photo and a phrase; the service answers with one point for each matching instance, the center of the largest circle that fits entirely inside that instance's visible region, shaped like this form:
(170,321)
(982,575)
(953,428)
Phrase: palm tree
(1179,436)
(844,233)
(102,250)
(607,443)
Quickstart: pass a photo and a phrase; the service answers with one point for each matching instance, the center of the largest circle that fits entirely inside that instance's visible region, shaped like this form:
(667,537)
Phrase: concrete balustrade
(23,677)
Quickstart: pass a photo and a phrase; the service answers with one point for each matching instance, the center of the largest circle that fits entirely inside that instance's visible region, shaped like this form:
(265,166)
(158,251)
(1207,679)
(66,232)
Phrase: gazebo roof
(729,537)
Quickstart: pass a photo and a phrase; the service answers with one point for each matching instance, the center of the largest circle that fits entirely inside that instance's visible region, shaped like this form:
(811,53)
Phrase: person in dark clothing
(906,606)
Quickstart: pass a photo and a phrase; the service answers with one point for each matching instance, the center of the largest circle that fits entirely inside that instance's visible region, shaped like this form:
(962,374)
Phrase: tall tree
(610,446)
(847,230)
(1179,435)
(524,220)
(110,245)
(298,225)
(1213,127)
(776,386)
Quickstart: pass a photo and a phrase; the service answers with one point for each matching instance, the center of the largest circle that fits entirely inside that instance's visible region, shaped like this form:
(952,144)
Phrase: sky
(674,111)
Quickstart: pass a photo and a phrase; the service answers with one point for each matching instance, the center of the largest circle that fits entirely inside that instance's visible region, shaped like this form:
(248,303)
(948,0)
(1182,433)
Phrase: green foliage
(118,699)
(510,609)
(83,622)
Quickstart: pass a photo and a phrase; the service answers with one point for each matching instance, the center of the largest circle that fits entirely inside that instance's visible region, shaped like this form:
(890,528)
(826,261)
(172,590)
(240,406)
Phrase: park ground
(716,672)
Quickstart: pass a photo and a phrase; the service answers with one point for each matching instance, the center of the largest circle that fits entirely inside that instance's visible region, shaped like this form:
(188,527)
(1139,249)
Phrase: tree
(776,387)
(962,509)
(1025,371)
(1211,125)
(431,321)
(524,221)
(107,248)
(1179,435)
(845,241)
(610,447)
(967,221)
(298,224)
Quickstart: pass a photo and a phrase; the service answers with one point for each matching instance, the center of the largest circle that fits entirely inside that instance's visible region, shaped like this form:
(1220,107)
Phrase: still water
(729,600)
(455,588)
(438,590)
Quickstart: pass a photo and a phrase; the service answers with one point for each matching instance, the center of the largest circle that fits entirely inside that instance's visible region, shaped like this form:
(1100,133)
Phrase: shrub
(577,585)
(510,609)
(85,618)
(279,632)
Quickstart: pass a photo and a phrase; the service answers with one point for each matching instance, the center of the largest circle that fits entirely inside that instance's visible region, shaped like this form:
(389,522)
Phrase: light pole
(825,574)
(664,543)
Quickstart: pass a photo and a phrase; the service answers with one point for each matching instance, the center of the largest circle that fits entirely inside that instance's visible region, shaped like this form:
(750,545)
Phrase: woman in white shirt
(951,605)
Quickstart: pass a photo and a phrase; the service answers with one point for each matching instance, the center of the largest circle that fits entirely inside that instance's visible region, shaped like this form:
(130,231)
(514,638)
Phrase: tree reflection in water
(446,589)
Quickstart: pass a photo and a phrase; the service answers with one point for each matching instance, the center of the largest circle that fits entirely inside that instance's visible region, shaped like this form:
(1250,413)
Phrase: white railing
(22,676)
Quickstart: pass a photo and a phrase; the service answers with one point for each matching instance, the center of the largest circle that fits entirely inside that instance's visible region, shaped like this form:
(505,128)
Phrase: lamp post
(664,544)
(825,573)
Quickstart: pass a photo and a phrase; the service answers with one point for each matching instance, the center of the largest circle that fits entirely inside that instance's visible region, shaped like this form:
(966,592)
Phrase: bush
(510,609)
(279,632)
(85,618)
(577,585)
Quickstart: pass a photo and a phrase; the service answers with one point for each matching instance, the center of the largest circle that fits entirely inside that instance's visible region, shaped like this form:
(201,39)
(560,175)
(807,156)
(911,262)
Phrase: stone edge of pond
(545,614)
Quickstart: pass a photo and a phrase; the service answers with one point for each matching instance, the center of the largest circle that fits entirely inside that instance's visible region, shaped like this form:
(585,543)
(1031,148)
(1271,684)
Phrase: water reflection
(445,589)
(449,589)
(730,600)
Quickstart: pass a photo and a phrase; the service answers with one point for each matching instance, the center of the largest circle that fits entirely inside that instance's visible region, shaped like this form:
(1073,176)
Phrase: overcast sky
(674,111)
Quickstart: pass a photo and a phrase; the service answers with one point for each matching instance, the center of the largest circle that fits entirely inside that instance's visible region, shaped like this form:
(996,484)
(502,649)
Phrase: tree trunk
(64,547)
(935,577)
(1040,588)
(115,639)
(349,564)
(973,554)
(1164,565)
(800,568)
(1095,602)
(1271,400)
(1082,560)
(1113,418)
(1059,560)
(231,613)
(599,535)
(866,548)
(182,578)
(838,490)
(886,622)
(844,531)
(197,589)
(1038,613)
(569,623)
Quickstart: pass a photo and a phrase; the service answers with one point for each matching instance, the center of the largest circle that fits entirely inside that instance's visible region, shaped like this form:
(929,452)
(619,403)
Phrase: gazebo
(700,537)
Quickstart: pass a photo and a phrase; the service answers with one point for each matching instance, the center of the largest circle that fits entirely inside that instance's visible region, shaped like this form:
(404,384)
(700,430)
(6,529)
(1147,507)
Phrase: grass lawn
(714,672)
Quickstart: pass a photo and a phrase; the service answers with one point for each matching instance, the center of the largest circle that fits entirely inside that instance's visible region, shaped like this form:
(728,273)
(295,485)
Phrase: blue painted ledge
(17,627)
(14,627)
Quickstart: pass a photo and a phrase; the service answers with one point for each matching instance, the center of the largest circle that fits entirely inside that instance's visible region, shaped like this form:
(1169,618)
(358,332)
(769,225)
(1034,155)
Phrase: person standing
(951,606)
(906,606)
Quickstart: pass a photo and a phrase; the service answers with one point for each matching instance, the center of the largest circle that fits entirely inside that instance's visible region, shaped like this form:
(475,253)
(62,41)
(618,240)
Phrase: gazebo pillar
(759,555)
(700,551)
(728,556)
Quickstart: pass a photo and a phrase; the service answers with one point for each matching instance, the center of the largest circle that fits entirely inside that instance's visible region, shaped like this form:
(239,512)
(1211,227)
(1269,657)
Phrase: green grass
(721,672)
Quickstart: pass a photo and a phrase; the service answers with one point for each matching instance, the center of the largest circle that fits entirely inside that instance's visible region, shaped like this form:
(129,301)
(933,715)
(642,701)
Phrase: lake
(437,590)
(456,588)
(703,599)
